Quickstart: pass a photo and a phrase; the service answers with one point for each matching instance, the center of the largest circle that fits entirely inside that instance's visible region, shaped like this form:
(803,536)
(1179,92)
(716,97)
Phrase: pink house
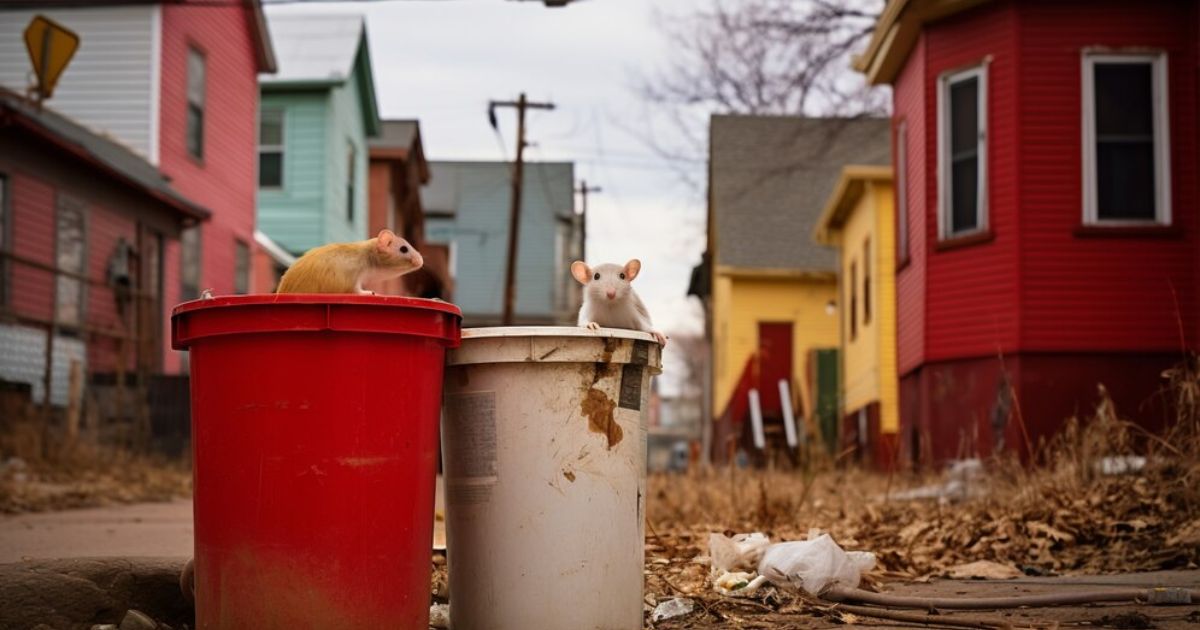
(177,83)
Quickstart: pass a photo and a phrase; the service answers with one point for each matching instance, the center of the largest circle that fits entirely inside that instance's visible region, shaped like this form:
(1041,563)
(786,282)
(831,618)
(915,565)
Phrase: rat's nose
(612,294)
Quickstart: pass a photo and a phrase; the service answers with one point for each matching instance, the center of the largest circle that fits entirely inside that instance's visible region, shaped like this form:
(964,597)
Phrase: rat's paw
(593,326)
(662,339)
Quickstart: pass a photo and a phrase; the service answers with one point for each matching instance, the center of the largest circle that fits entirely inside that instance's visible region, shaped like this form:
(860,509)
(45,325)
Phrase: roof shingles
(770,179)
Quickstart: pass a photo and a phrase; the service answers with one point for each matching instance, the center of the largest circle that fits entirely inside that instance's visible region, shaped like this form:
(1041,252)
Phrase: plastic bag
(740,553)
(814,564)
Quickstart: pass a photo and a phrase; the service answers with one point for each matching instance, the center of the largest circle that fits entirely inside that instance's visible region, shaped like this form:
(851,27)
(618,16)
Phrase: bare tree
(759,57)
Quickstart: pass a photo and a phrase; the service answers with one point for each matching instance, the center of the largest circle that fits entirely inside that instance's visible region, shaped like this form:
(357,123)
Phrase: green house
(315,116)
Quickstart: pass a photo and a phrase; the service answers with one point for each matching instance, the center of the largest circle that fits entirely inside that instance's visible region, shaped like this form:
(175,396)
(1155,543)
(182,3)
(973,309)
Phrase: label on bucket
(471,466)
(631,387)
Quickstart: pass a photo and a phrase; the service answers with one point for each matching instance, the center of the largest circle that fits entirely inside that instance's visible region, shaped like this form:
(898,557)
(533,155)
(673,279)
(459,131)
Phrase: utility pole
(583,191)
(514,219)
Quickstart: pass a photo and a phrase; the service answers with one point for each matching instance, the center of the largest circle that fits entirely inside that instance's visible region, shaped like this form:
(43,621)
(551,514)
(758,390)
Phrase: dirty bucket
(314,437)
(544,455)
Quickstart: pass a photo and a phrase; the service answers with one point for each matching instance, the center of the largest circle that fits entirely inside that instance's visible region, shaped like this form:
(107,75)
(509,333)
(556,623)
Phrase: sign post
(51,46)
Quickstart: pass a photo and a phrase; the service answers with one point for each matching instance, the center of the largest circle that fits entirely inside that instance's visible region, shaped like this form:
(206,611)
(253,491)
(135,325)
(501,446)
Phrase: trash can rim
(555,331)
(315,298)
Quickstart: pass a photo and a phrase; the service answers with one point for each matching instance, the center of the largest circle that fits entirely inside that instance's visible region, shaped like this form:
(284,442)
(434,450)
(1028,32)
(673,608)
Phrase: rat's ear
(385,240)
(632,268)
(580,270)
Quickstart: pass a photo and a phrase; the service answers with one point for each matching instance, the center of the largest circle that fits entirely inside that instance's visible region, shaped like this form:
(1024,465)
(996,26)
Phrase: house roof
(401,139)
(896,32)
(106,155)
(769,177)
(263,50)
(849,189)
(322,50)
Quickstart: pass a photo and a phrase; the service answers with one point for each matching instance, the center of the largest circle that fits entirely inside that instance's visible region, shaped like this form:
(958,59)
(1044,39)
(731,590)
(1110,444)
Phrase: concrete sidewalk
(139,530)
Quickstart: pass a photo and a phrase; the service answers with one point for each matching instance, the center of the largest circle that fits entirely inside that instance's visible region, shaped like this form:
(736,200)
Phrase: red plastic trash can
(314,439)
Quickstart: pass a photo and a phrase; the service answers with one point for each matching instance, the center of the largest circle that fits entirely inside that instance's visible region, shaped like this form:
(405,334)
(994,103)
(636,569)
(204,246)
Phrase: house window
(853,313)
(71,261)
(5,238)
(189,259)
(350,183)
(867,282)
(270,148)
(901,188)
(195,103)
(962,152)
(241,267)
(1126,163)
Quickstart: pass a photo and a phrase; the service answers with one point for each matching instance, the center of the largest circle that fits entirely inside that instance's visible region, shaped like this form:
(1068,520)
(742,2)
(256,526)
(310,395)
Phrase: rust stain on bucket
(598,408)
(569,475)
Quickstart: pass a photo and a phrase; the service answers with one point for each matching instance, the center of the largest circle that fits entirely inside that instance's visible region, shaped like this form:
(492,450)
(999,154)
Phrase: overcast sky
(440,61)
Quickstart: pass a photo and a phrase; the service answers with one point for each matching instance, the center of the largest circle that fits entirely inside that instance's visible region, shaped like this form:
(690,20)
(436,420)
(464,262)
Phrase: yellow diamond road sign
(50,47)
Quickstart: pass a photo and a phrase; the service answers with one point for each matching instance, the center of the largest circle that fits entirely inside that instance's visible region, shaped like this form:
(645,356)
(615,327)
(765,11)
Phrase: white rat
(610,301)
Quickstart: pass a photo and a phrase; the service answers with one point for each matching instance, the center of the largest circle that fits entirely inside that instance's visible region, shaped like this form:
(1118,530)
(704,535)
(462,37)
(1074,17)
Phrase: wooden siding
(225,179)
(292,216)
(740,303)
(38,175)
(1117,293)
(971,301)
(909,105)
(109,84)
(346,128)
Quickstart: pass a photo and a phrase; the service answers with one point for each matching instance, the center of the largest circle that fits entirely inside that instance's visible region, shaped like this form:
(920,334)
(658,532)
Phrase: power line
(521,104)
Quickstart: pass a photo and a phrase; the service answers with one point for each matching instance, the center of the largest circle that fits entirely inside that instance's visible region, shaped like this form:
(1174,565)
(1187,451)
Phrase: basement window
(962,152)
(1126,160)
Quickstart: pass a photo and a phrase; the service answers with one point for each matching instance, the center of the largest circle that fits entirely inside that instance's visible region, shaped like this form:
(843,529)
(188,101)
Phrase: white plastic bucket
(544,457)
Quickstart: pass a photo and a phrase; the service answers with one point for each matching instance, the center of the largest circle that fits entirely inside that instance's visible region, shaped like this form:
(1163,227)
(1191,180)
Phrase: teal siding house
(315,116)
(467,209)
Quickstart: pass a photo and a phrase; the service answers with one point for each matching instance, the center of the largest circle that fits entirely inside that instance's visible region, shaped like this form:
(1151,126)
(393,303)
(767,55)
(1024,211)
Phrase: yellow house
(859,220)
(773,307)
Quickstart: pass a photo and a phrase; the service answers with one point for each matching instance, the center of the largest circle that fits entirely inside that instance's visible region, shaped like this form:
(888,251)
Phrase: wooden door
(774,364)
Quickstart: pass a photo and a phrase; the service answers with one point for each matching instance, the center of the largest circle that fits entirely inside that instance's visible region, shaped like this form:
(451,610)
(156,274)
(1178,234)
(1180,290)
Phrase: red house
(84,223)
(176,82)
(1046,174)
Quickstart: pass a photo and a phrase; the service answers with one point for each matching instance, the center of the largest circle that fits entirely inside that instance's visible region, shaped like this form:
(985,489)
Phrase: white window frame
(280,148)
(1162,147)
(945,219)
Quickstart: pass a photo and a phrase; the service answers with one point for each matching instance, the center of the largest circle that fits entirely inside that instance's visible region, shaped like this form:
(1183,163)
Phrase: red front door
(774,364)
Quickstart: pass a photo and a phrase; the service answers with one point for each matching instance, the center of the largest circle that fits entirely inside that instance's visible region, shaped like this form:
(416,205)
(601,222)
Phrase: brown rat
(344,267)
(609,299)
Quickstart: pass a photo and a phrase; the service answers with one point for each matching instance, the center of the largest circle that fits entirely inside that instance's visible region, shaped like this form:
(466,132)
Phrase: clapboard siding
(108,85)
(971,298)
(909,95)
(1096,294)
(479,233)
(347,129)
(294,216)
(225,179)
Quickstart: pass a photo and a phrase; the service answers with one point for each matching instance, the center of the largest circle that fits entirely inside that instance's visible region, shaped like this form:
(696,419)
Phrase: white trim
(273,249)
(282,146)
(1160,96)
(155,82)
(946,80)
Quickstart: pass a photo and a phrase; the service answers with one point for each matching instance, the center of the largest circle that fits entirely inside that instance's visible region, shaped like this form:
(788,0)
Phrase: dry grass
(1063,516)
(36,476)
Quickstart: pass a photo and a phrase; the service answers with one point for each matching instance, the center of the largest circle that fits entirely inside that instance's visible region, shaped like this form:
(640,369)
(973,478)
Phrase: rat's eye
(404,249)
(596,277)
(622,276)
